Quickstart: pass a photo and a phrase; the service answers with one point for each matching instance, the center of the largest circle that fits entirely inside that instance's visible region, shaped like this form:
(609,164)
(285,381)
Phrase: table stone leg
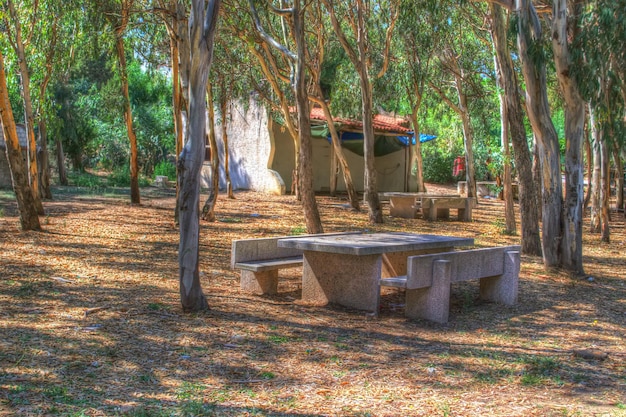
(259,283)
(348,280)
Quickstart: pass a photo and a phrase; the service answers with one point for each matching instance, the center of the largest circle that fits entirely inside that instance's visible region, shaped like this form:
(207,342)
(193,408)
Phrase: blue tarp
(383,145)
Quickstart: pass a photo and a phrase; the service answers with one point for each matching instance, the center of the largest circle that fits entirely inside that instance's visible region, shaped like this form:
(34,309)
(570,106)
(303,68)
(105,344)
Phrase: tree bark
(341,158)
(619,178)
(595,221)
(534,70)
(589,154)
(572,235)
(528,201)
(509,208)
(135,197)
(305,171)
(61,163)
(605,192)
(416,150)
(44,162)
(28,108)
(203,23)
(224,111)
(19,175)
(208,211)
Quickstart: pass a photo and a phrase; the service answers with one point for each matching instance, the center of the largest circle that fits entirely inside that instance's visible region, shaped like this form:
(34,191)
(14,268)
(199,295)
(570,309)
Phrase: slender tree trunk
(208,211)
(61,163)
(572,228)
(595,223)
(29,117)
(509,208)
(589,154)
(341,158)
(305,171)
(605,192)
(44,161)
(416,151)
(202,29)
(468,135)
(135,197)
(224,111)
(23,193)
(619,179)
(529,32)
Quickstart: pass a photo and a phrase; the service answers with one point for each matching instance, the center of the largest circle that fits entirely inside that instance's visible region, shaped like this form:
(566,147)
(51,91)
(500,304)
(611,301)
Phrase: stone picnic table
(407,204)
(347,269)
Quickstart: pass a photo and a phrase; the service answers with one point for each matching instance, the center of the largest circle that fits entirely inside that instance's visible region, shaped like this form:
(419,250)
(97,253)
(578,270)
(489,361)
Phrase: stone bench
(407,204)
(428,279)
(260,260)
(434,208)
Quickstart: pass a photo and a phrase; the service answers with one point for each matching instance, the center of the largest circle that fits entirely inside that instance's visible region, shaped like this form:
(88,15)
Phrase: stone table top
(372,243)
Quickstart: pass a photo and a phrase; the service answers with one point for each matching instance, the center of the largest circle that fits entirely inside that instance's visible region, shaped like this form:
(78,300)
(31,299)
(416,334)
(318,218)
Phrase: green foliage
(120,177)
(438,161)
(165,168)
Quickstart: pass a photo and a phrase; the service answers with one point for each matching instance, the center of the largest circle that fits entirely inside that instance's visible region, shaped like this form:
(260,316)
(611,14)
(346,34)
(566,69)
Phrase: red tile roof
(382,123)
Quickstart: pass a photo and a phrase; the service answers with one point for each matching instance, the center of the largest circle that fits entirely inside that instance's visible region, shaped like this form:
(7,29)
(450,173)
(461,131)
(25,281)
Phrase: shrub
(165,168)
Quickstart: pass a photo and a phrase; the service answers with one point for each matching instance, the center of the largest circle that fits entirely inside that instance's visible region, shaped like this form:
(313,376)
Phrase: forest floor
(91,323)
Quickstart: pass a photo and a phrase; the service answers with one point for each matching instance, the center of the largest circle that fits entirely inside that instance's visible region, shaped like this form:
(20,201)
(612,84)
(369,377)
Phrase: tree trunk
(534,70)
(468,137)
(305,171)
(619,178)
(416,151)
(572,228)
(595,222)
(224,111)
(528,201)
(44,161)
(589,154)
(202,32)
(135,197)
(23,193)
(509,208)
(605,192)
(29,118)
(341,158)
(208,211)
(61,163)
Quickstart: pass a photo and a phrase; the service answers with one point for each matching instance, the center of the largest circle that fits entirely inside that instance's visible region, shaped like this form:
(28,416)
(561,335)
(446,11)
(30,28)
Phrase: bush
(165,168)
(120,177)
(437,164)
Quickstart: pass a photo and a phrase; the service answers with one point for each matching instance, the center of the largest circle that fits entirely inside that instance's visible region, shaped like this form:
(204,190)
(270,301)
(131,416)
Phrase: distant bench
(428,279)
(407,204)
(434,208)
(260,260)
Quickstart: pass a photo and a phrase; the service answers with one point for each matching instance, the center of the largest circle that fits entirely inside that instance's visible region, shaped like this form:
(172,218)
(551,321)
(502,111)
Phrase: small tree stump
(161,181)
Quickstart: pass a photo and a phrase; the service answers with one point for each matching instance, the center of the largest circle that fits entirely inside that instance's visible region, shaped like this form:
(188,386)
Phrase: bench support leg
(431,303)
(503,288)
(259,283)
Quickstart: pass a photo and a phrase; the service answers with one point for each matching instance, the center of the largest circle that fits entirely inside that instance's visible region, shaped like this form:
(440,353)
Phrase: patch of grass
(540,369)
(188,390)
(157,306)
(58,394)
(267,375)
(278,339)
(298,230)
(197,408)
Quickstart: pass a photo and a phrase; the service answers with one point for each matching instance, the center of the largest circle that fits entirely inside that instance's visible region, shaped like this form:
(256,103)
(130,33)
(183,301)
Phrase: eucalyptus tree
(19,21)
(295,19)
(203,20)
(417,32)
(356,27)
(118,14)
(460,59)
(318,65)
(603,85)
(29,219)
(513,122)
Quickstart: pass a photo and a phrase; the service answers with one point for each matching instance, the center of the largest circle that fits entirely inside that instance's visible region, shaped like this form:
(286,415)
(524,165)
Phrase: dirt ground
(91,324)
